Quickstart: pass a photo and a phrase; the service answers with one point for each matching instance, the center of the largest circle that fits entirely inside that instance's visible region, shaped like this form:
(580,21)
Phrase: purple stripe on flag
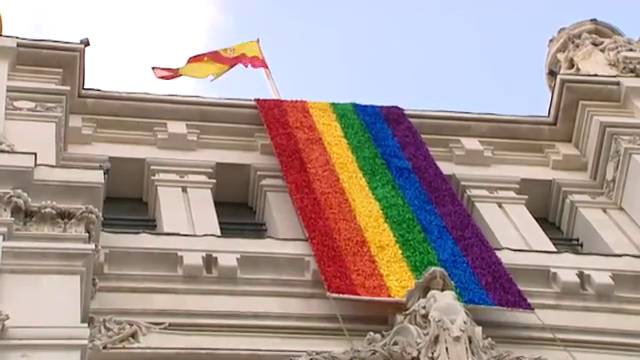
(479,253)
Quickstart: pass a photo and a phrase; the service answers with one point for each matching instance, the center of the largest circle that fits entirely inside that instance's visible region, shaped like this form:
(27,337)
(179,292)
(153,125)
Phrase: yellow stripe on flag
(382,243)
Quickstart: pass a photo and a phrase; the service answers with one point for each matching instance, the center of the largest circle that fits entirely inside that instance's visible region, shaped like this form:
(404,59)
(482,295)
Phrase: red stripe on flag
(218,57)
(327,254)
(333,200)
(165,73)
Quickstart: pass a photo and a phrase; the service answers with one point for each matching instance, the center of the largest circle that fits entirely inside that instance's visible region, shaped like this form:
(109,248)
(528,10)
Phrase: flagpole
(274,88)
(267,74)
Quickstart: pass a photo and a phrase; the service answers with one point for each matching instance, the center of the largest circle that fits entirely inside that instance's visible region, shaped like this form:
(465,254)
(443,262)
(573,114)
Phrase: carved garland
(48,216)
(109,332)
(618,143)
(435,327)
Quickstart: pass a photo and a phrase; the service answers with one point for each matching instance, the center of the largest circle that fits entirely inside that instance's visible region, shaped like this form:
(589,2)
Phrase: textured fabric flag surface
(216,63)
(377,209)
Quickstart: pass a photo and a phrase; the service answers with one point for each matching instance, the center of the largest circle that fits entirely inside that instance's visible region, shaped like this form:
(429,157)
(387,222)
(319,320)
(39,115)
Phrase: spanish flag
(216,63)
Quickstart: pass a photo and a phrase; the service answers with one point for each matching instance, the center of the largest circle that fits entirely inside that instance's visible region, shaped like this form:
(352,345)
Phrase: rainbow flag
(377,209)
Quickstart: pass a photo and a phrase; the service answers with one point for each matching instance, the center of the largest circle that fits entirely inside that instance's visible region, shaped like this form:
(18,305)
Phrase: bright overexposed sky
(466,55)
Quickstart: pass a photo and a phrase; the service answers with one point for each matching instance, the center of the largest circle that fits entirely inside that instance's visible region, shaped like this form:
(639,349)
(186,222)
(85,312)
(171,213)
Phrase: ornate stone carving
(14,203)
(94,287)
(31,106)
(591,54)
(435,326)
(592,48)
(4,317)
(5,145)
(48,216)
(618,143)
(110,332)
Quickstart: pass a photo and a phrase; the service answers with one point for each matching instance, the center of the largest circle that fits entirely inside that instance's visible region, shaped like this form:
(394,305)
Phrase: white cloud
(127,37)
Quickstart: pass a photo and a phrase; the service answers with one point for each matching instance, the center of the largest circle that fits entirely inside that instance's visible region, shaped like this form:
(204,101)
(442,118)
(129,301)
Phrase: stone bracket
(471,152)
(598,282)
(565,280)
(176,135)
(192,264)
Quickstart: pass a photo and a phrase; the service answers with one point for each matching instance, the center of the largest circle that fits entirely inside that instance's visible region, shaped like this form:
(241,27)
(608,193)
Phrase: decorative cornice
(240,116)
(435,326)
(4,317)
(619,142)
(49,217)
(109,332)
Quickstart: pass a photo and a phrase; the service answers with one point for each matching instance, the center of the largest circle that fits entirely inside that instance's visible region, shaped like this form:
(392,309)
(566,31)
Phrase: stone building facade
(137,226)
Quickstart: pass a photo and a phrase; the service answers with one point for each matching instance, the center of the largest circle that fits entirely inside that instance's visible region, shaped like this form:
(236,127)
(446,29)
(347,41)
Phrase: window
(126,214)
(239,220)
(557,237)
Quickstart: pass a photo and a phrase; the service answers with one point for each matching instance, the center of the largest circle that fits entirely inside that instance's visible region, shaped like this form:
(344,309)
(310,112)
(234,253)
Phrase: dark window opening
(558,238)
(127,214)
(239,220)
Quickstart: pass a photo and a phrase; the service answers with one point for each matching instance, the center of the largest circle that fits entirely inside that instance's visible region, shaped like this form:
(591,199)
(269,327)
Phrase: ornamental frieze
(32,106)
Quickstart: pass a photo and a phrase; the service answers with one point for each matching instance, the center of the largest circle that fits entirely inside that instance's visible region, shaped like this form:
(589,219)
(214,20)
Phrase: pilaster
(46,277)
(8,52)
(502,214)
(181,196)
(270,198)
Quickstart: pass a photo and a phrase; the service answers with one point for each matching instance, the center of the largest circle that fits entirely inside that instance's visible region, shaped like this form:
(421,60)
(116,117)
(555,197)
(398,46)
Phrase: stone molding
(49,217)
(435,326)
(112,332)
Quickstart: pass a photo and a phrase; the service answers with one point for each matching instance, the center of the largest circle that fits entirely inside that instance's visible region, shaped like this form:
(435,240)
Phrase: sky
(477,56)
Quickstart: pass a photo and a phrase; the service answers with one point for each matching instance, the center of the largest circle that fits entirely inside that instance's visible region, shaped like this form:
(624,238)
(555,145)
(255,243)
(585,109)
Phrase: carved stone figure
(3,319)
(13,204)
(591,54)
(592,48)
(110,332)
(94,287)
(5,145)
(435,326)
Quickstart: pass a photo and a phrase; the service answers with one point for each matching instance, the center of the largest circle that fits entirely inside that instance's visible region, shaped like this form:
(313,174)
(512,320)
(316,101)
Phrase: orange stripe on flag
(331,196)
